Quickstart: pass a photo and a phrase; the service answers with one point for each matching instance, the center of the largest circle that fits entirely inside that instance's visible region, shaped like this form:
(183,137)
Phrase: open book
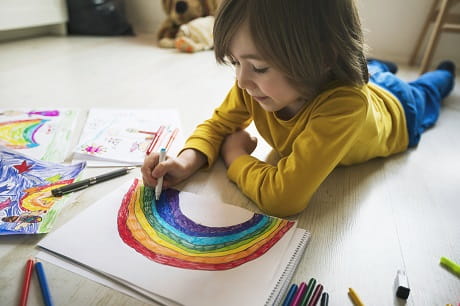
(183,249)
(120,137)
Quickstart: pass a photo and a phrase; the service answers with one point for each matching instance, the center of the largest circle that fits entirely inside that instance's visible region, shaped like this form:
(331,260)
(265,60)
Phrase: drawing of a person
(24,219)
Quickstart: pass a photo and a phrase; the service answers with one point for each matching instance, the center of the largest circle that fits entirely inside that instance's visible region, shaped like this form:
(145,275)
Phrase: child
(302,77)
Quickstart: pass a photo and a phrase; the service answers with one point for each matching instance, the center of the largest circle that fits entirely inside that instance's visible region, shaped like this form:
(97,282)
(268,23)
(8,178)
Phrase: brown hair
(312,42)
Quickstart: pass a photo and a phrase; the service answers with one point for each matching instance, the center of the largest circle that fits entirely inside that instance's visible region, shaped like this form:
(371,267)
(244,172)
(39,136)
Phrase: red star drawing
(22,167)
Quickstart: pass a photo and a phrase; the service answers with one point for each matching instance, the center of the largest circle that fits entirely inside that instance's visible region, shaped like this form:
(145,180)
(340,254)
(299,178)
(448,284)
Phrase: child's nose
(244,80)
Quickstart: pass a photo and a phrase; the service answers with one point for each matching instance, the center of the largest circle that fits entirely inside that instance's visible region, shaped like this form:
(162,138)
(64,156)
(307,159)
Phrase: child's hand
(237,144)
(173,170)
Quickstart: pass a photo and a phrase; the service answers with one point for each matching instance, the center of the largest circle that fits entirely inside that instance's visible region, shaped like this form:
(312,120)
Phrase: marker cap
(402,285)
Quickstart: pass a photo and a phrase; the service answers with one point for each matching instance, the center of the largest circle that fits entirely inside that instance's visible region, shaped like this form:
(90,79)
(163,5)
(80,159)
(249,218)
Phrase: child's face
(268,86)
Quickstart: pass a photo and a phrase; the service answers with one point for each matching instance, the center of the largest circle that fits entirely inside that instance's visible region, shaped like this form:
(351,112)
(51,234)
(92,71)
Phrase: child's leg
(432,87)
(376,65)
(421,99)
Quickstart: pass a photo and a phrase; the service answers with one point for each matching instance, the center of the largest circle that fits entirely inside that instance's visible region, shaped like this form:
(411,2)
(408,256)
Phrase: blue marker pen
(290,295)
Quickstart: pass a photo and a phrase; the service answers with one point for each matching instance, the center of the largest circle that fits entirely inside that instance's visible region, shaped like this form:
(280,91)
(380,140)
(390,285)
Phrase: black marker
(90,181)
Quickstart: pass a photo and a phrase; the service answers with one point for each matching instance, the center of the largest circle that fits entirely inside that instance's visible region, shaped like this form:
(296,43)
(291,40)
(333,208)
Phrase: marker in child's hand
(159,185)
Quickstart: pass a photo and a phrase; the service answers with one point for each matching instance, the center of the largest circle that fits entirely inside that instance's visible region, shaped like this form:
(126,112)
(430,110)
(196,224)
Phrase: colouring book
(184,248)
(118,137)
(42,134)
(24,184)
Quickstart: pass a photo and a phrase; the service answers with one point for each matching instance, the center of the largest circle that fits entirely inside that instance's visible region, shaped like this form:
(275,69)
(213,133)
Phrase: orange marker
(171,138)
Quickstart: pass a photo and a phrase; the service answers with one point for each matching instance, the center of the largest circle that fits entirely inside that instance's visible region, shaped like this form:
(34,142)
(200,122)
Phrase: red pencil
(146,132)
(26,282)
(155,140)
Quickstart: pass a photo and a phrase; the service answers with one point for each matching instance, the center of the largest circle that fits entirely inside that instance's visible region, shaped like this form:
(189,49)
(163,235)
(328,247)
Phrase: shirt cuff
(237,165)
(203,147)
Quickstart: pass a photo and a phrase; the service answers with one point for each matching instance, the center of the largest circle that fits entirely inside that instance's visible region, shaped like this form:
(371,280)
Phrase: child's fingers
(147,177)
(162,168)
(150,163)
(149,180)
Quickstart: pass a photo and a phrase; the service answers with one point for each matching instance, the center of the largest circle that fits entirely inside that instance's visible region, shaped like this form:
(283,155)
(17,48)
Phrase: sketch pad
(120,137)
(186,248)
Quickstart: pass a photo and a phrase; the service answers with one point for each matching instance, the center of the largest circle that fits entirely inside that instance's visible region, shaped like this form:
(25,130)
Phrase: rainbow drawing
(38,198)
(161,232)
(20,134)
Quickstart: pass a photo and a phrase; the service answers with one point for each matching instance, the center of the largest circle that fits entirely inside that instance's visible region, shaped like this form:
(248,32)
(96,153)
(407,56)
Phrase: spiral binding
(283,282)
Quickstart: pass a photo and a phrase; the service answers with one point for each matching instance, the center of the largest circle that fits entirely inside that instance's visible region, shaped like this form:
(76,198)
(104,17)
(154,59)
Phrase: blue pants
(421,99)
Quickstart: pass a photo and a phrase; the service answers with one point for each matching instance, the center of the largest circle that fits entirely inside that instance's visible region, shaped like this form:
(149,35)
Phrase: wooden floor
(367,221)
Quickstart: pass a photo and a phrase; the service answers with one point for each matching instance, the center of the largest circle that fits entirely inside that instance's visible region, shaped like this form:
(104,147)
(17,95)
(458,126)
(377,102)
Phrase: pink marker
(299,294)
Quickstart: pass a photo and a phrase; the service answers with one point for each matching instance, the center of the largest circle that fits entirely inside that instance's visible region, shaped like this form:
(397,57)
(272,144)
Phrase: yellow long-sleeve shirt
(341,126)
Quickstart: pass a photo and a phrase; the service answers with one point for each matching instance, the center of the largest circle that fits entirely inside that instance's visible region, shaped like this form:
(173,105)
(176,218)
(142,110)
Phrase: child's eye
(232,62)
(260,70)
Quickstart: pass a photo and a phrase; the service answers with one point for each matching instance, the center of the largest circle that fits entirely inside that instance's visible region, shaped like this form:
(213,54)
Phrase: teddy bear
(188,26)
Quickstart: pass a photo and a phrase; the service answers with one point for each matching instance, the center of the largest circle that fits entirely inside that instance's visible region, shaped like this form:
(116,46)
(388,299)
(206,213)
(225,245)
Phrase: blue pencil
(290,295)
(43,284)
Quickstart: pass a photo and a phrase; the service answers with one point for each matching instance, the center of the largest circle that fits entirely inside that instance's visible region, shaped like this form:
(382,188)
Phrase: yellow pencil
(354,297)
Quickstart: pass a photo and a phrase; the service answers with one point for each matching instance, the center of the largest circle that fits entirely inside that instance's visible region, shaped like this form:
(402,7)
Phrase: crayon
(26,282)
(43,284)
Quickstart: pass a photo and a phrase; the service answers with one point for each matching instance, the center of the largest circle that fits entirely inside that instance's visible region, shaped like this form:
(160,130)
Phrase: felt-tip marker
(159,185)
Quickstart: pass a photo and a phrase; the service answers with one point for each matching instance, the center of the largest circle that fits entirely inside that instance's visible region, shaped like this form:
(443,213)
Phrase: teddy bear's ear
(167,5)
(213,5)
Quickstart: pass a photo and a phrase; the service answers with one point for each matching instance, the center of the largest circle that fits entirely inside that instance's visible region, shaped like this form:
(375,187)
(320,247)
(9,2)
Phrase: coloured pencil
(299,294)
(155,139)
(140,131)
(26,282)
(324,299)
(310,287)
(316,294)
(354,297)
(171,138)
(450,265)
(43,284)
(290,295)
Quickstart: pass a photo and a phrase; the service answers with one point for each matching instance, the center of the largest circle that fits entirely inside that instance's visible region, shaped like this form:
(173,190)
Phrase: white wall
(144,15)
(391,26)
(17,14)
